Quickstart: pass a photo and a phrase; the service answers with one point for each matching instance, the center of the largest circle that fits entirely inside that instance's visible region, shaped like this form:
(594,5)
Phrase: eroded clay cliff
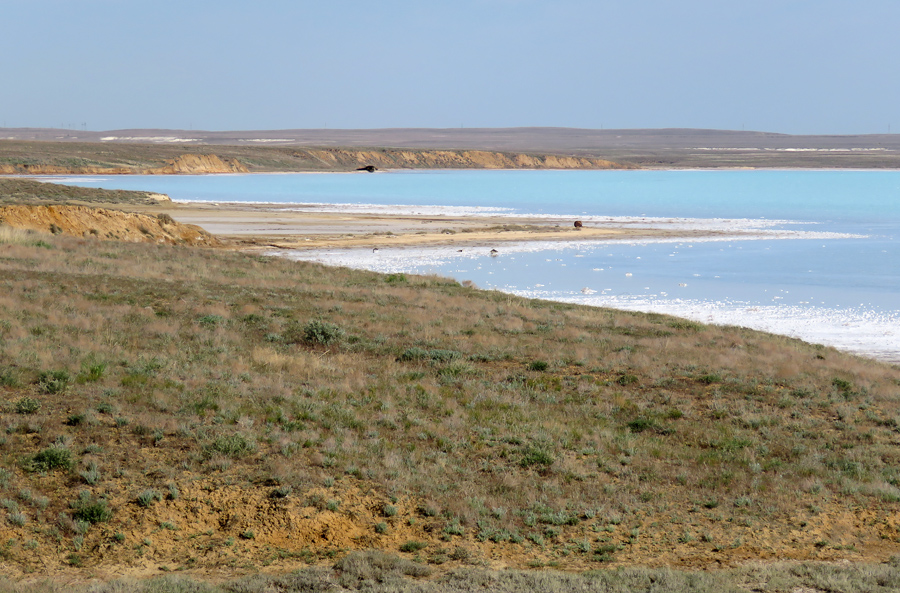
(103,223)
(195,164)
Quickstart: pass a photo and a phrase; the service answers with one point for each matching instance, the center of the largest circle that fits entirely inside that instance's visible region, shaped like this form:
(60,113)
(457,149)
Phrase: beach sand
(264,226)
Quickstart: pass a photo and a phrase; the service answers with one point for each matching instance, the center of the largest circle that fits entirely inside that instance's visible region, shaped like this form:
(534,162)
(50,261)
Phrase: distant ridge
(644,147)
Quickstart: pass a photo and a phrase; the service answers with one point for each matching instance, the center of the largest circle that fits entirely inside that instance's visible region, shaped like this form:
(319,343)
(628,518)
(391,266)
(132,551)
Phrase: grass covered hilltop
(180,409)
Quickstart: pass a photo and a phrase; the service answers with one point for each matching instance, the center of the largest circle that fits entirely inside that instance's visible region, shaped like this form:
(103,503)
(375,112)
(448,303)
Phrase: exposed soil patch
(102,223)
(181,164)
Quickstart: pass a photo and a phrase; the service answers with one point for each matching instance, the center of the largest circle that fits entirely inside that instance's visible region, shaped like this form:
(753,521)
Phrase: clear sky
(792,66)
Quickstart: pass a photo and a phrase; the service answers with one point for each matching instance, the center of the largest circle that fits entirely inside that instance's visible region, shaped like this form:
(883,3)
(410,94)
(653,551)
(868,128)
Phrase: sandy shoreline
(264,226)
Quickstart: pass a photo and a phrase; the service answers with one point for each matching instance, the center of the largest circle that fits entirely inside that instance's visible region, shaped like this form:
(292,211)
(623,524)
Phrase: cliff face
(92,160)
(452,159)
(84,221)
(183,164)
(197,164)
(29,169)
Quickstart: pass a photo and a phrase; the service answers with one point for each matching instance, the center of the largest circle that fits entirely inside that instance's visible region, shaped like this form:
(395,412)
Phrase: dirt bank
(102,223)
(52,158)
(192,164)
(452,159)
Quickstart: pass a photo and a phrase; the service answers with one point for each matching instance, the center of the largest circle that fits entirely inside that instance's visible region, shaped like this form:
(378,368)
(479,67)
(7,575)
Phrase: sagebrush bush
(90,509)
(54,382)
(51,458)
(322,332)
(27,405)
(147,498)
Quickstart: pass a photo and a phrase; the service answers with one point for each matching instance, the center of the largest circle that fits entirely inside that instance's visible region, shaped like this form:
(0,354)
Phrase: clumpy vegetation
(189,409)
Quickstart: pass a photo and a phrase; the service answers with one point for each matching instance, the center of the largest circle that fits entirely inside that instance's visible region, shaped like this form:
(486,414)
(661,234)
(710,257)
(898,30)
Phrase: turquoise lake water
(818,257)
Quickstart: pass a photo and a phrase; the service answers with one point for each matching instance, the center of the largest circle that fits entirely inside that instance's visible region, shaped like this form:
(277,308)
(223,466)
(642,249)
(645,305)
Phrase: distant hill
(660,148)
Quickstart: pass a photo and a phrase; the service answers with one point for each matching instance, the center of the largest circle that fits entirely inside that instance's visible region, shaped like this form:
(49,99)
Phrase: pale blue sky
(792,66)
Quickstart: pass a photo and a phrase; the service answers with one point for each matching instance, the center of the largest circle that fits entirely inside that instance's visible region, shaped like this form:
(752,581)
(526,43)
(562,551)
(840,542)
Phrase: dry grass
(637,439)
(377,571)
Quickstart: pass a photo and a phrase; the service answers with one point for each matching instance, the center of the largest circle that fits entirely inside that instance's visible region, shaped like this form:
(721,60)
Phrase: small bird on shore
(494,252)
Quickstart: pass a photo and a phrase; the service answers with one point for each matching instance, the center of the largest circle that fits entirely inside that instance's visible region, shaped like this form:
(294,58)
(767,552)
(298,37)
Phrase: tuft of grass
(91,372)
(395,279)
(147,498)
(413,546)
(233,445)
(91,475)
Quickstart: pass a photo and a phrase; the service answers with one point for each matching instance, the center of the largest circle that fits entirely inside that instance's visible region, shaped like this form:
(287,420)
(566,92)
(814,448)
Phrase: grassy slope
(28,191)
(195,400)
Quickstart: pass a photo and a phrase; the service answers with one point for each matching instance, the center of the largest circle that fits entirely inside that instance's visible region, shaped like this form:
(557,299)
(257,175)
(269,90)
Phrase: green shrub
(626,380)
(9,378)
(281,492)
(322,332)
(75,419)
(414,353)
(710,378)
(395,278)
(51,458)
(90,509)
(539,365)
(413,546)
(536,456)
(641,424)
(234,445)
(27,405)
(313,332)
(54,381)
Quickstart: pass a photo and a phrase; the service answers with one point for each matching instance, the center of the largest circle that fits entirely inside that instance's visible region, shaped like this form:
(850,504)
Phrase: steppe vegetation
(29,191)
(183,409)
